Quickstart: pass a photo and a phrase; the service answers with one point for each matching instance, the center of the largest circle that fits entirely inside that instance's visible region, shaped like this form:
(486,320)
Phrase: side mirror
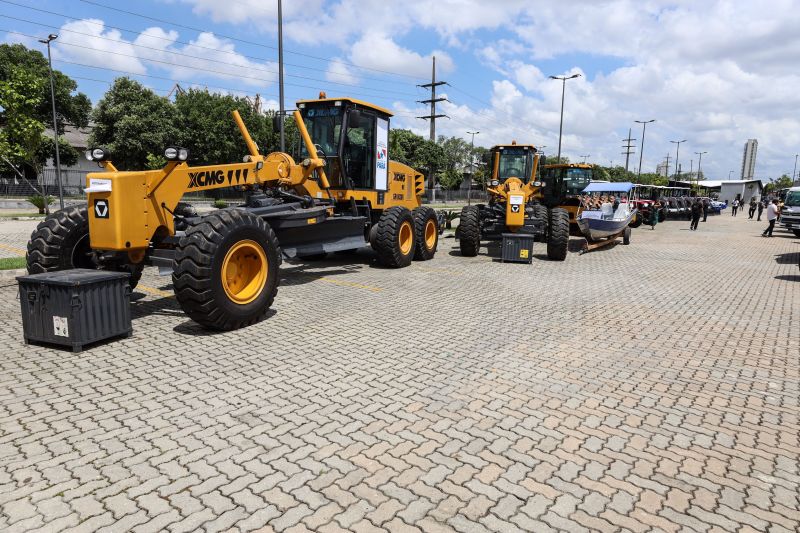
(354,115)
(542,160)
(276,122)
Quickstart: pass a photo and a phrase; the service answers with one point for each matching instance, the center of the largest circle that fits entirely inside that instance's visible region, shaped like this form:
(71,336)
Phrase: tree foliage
(133,122)
(26,108)
(206,127)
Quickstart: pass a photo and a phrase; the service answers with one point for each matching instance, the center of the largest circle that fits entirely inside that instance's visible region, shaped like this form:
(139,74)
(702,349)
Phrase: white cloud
(89,42)
(377,50)
(340,72)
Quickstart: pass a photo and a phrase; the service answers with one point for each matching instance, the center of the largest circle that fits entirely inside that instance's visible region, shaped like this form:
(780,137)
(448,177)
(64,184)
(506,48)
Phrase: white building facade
(749,159)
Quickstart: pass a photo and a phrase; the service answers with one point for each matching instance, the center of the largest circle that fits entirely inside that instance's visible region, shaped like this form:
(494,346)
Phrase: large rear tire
(796,232)
(61,242)
(558,234)
(626,236)
(393,237)
(225,271)
(637,220)
(469,231)
(426,227)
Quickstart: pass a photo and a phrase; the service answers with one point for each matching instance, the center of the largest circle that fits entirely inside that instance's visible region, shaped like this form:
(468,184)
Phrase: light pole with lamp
(699,164)
(729,174)
(795,167)
(472,164)
(561,125)
(644,124)
(677,153)
(53,37)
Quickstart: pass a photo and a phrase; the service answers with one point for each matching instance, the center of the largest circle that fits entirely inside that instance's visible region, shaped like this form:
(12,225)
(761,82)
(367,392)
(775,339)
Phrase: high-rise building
(662,169)
(749,159)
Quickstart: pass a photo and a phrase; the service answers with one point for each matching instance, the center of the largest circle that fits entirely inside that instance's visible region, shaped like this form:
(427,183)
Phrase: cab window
(358,154)
(515,163)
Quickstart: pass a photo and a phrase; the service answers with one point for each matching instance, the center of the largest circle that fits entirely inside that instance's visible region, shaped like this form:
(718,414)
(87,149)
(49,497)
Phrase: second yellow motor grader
(514,205)
(345,193)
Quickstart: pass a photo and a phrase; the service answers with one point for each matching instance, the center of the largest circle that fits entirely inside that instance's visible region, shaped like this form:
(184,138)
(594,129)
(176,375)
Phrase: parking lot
(636,388)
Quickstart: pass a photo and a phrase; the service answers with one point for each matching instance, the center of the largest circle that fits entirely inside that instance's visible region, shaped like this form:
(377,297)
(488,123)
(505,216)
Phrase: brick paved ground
(650,387)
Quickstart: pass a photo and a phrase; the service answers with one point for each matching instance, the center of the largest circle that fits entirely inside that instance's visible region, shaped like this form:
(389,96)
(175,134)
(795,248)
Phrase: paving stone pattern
(651,387)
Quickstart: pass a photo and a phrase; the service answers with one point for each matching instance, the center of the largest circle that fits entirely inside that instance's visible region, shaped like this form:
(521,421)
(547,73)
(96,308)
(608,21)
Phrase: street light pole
(472,164)
(644,124)
(729,174)
(677,152)
(700,163)
(795,167)
(53,37)
(561,125)
(280,73)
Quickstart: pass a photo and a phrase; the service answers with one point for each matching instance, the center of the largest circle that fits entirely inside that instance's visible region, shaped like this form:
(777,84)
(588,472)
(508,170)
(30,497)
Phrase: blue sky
(715,73)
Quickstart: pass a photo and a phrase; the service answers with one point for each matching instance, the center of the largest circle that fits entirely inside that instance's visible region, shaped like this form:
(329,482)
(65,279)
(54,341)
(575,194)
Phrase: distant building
(728,191)
(662,169)
(749,159)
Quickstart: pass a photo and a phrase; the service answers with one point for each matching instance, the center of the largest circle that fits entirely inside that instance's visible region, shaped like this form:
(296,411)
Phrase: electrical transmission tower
(433,116)
(629,148)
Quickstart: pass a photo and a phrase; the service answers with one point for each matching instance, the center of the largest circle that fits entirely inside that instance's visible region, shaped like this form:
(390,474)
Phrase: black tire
(558,234)
(394,225)
(637,221)
(61,242)
(469,231)
(198,269)
(796,232)
(426,228)
(626,236)
(540,212)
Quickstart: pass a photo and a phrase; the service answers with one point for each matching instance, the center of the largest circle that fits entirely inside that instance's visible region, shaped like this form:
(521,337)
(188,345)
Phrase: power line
(198,58)
(253,43)
(225,74)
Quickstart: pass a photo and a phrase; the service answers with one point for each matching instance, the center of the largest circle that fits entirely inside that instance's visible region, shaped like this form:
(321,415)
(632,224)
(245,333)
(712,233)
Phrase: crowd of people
(757,207)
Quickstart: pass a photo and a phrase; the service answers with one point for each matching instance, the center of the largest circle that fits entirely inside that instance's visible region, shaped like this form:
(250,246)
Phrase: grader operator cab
(563,184)
(514,205)
(343,195)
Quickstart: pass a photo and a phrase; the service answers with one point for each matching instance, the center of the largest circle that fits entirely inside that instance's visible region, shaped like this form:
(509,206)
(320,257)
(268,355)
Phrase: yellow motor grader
(514,205)
(344,194)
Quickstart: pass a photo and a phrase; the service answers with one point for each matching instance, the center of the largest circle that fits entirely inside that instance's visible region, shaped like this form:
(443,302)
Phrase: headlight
(96,154)
(174,153)
(537,184)
(494,183)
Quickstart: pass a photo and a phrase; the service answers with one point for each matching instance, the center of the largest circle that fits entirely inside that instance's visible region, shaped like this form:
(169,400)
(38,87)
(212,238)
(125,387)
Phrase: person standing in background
(773,212)
(735,207)
(697,210)
(705,208)
(752,210)
(760,209)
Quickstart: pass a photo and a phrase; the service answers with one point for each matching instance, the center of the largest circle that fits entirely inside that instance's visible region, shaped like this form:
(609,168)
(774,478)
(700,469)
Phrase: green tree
(21,131)
(133,122)
(71,107)
(783,182)
(206,127)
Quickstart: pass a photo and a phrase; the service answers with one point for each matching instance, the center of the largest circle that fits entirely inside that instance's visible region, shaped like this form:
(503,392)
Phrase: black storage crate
(75,307)
(517,247)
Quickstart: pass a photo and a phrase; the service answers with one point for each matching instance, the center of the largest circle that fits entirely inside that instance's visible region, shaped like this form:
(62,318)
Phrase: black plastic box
(517,247)
(75,307)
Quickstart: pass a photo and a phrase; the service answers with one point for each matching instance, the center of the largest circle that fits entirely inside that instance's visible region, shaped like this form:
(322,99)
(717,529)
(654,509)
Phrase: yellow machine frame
(514,191)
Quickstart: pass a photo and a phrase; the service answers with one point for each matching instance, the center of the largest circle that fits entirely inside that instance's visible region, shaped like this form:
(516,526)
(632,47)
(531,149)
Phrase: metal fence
(459,196)
(13,186)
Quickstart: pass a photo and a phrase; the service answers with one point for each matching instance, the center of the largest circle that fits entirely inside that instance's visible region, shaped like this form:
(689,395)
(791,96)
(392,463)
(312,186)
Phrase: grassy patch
(9,263)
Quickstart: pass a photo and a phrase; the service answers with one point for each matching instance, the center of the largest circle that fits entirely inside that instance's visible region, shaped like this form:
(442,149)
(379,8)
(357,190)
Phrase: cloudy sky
(713,72)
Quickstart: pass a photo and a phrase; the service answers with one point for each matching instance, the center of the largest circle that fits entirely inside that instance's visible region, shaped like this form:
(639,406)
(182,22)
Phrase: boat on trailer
(608,213)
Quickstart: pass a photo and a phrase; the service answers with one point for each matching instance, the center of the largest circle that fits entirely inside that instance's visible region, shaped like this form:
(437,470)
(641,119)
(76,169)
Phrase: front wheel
(225,270)
(393,237)
(796,232)
(558,234)
(637,221)
(469,231)
(626,236)
(61,242)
